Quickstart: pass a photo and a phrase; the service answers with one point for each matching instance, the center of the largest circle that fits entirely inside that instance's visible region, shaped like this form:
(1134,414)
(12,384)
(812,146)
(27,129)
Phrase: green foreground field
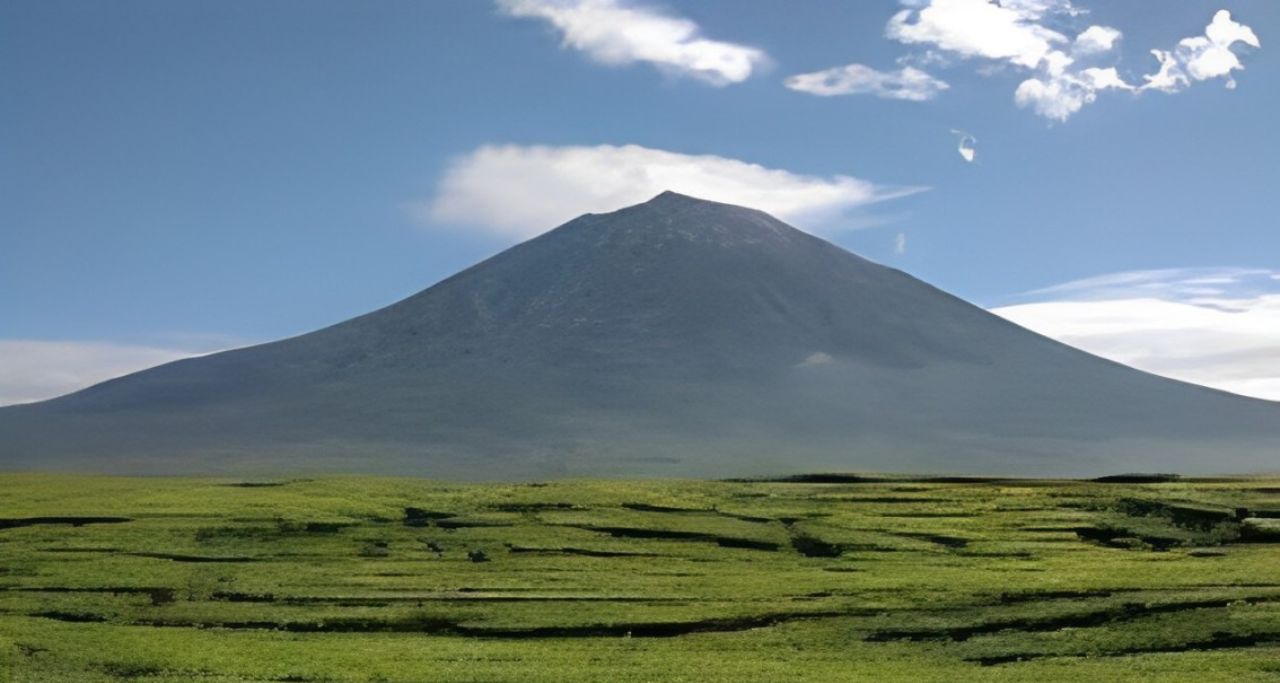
(879,579)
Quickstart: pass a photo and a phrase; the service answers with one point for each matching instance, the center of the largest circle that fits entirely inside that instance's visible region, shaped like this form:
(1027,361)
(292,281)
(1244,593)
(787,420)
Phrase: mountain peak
(673,197)
(669,200)
(672,218)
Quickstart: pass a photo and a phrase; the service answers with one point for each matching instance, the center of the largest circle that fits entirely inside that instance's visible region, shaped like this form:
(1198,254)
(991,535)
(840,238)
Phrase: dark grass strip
(584,552)
(671,535)
(440,626)
(72,521)
(1218,641)
(1120,613)
(177,557)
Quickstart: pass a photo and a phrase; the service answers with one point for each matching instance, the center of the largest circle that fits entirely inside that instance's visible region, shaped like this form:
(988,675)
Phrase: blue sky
(179,177)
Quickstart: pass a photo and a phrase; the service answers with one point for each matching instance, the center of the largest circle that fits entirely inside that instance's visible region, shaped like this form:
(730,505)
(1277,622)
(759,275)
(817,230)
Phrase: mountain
(678,337)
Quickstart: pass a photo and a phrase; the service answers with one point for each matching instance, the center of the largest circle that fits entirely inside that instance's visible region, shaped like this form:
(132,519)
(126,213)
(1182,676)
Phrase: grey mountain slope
(677,337)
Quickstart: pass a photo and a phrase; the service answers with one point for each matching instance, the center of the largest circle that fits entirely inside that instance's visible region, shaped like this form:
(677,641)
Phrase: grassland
(879,579)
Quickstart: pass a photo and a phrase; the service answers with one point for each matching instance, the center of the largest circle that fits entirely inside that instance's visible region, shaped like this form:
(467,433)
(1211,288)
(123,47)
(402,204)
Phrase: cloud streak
(1219,327)
(520,191)
(616,33)
(907,83)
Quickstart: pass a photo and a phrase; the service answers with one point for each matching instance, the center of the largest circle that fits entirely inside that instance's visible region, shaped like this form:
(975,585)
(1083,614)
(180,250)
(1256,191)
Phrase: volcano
(678,337)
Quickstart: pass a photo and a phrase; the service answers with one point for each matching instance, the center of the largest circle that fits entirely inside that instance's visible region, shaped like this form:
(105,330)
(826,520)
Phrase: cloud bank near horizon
(35,370)
(1219,327)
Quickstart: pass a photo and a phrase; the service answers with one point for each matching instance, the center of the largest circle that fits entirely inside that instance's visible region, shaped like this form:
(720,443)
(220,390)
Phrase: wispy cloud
(34,370)
(615,32)
(1165,283)
(907,83)
(1219,327)
(519,191)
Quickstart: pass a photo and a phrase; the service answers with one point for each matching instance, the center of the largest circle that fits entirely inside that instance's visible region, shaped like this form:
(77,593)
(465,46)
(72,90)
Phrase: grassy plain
(878,579)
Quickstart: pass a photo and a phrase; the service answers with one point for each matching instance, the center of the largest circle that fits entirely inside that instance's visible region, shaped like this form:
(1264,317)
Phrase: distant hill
(678,337)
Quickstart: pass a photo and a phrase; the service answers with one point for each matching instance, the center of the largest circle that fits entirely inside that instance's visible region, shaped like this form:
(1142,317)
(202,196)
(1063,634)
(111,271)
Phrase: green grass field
(882,579)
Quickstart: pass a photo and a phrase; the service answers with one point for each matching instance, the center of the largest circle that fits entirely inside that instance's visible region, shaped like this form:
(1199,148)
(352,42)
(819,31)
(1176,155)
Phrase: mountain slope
(675,337)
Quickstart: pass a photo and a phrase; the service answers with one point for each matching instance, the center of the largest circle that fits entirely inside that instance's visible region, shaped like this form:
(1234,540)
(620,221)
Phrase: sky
(183,177)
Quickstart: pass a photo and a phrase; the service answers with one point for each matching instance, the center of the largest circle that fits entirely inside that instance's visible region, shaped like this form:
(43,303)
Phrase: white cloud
(1096,39)
(981,28)
(1211,56)
(1059,95)
(615,33)
(1170,77)
(1039,8)
(1057,62)
(900,243)
(1065,74)
(1053,98)
(907,83)
(1202,57)
(967,145)
(33,370)
(520,191)
(1013,33)
(1219,327)
(1101,79)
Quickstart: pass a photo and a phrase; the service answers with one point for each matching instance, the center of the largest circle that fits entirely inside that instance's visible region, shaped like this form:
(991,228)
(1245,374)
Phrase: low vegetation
(820,578)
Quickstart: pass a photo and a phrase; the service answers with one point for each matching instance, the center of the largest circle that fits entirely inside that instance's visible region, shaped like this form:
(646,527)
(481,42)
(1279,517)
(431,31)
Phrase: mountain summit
(678,337)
